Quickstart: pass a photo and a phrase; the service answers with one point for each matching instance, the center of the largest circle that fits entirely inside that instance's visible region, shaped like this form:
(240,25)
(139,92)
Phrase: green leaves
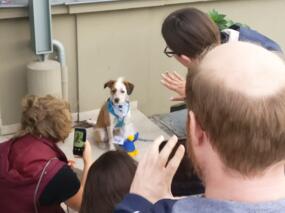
(221,20)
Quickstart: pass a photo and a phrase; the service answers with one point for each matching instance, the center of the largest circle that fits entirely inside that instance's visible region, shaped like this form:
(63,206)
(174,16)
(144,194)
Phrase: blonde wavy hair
(46,117)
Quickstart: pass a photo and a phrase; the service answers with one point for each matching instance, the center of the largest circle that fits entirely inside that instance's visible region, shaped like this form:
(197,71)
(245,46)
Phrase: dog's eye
(122,91)
(113,91)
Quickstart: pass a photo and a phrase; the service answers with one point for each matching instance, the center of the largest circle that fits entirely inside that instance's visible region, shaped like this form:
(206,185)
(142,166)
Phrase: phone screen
(79,140)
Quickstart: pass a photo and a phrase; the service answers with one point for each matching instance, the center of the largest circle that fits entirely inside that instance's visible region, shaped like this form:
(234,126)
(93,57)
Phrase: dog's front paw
(91,122)
(112,146)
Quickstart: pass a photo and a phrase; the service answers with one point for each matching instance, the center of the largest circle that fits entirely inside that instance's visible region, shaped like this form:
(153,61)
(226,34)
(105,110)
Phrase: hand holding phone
(79,141)
(153,166)
(180,141)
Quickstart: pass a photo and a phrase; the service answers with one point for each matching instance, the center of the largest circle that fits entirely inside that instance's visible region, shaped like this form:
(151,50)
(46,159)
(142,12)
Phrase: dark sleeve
(64,185)
(135,203)
(247,34)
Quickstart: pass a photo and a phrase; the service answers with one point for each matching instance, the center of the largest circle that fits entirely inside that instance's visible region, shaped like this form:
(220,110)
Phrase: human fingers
(151,154)
(171,81)
(169,78)
(87,152)
(156,144)
(87,146)
(177,98)
(167,85)
(170,85)
(146,169)
(71,163)
(175,161)
(174,76)
(167,149)
(178,76)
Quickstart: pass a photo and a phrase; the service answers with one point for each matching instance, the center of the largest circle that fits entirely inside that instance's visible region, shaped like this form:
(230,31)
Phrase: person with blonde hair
(34,172)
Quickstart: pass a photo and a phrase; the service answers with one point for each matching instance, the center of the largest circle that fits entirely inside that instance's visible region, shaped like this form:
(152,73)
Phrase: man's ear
(185,60)
(129,86)
(197,134)
(109,84)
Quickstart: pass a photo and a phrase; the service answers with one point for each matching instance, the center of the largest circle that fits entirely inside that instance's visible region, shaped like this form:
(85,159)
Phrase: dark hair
(190,32)
(108,181)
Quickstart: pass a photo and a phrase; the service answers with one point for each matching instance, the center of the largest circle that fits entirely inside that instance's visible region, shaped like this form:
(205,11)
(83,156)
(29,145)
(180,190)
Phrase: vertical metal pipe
(64,73)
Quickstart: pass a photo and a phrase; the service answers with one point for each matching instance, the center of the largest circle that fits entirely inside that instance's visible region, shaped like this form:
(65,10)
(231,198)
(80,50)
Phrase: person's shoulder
(136,203)
(193,203)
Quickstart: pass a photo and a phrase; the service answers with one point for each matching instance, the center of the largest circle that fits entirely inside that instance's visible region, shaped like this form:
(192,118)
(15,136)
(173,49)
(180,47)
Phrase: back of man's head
(237,94)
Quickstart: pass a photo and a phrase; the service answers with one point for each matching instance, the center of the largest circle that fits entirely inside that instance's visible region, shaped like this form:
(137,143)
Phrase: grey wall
(105,42)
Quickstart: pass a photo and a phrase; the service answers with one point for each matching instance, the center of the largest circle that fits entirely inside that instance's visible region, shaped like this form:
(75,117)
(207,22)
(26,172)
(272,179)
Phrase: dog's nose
(116,100)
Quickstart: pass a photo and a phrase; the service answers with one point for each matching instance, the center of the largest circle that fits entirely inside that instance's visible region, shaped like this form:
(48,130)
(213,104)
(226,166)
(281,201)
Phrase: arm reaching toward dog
(176,83)
(155,173)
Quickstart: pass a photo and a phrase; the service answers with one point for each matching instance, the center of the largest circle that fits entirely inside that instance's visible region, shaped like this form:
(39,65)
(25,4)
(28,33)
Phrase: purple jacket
(22,162)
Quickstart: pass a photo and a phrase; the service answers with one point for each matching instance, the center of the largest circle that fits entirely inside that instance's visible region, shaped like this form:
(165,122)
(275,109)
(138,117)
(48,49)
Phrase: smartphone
(79,141)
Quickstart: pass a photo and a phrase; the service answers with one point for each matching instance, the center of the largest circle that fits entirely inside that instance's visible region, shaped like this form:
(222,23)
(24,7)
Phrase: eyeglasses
(168,52)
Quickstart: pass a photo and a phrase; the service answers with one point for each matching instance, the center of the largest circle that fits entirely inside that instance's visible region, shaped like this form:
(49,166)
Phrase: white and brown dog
(114,115)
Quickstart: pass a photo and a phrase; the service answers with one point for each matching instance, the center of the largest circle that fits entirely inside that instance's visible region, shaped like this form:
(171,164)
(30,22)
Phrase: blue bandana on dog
(119,112)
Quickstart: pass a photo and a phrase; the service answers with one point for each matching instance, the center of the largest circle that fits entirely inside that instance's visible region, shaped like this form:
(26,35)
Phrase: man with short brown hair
(236,138)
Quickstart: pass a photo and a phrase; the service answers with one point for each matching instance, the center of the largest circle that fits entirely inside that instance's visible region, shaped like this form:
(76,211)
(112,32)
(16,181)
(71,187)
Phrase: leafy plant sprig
(221,20)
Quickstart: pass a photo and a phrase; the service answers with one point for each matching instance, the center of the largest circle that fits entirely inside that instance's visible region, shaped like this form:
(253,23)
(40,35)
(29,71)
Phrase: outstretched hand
(154,175)
(176,83)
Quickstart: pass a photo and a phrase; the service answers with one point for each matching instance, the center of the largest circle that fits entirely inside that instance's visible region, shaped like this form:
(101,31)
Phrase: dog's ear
(130,87)
(109,84)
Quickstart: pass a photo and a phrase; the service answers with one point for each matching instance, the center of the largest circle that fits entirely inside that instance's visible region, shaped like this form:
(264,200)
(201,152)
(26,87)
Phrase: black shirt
(64,185)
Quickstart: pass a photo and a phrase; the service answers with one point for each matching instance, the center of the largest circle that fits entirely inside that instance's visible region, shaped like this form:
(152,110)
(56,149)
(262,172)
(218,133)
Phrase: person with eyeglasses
(189,33)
